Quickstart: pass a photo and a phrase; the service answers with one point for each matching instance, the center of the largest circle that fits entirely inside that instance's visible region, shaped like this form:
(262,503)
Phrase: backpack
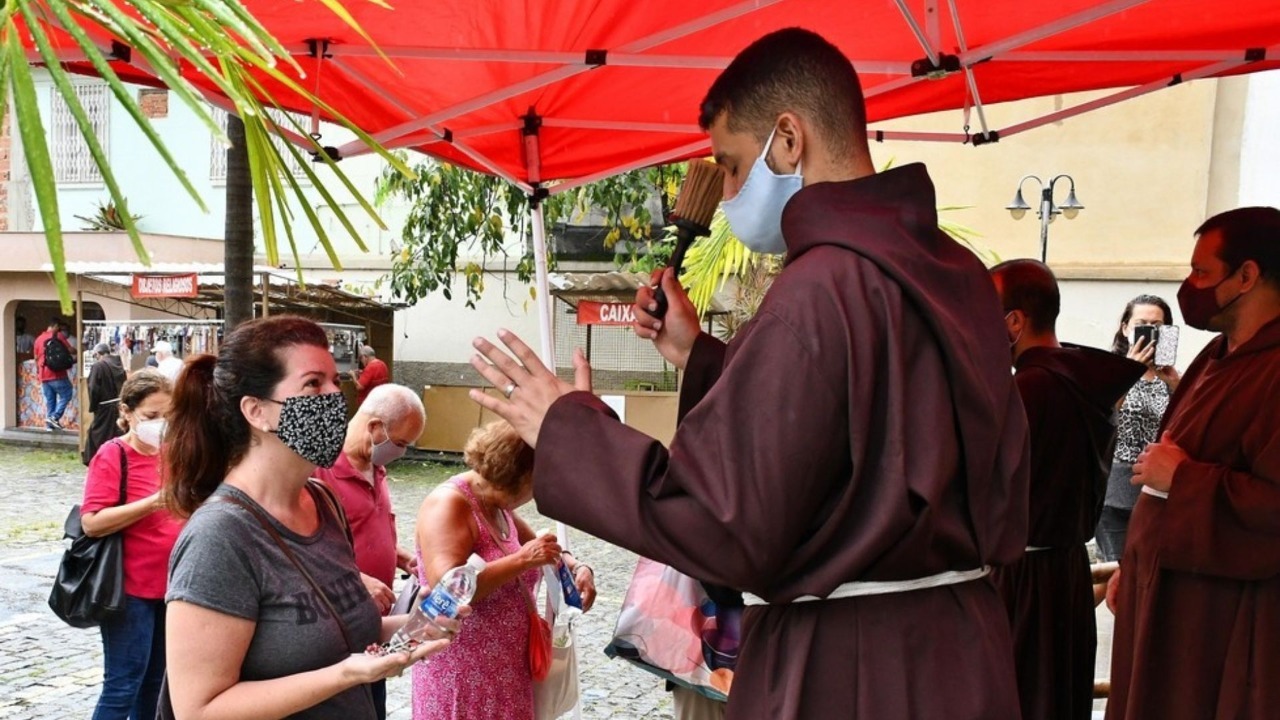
(56,355)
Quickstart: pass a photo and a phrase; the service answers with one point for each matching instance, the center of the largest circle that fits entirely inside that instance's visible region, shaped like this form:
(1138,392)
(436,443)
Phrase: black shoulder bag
(89,586)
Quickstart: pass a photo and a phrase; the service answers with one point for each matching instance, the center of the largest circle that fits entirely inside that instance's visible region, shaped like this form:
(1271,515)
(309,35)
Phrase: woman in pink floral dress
(484,673)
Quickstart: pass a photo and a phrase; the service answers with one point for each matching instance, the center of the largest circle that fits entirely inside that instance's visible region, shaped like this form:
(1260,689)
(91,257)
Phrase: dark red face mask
(1200,305)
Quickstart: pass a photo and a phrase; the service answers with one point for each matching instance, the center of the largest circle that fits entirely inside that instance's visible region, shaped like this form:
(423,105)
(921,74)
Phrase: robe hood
(897,230)
(1102,378)
(1098,379)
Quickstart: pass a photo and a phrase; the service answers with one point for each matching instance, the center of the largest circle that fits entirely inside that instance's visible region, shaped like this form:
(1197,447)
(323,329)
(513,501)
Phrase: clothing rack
(137,338)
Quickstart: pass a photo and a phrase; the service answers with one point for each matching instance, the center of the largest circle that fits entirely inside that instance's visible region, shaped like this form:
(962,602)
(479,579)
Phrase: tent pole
(548,349)
(533,165)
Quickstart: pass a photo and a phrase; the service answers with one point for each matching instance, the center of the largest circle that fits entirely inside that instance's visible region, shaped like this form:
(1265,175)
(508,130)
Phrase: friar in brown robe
(106,377)
(861,436)
(1070,394)
(1197,599)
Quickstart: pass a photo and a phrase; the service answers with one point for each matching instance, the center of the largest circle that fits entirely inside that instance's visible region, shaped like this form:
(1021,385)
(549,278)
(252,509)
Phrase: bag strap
(335,507)
(275,535)
(124,471)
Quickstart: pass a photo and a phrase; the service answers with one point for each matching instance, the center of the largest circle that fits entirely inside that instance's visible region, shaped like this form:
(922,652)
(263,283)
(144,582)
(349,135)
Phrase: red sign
(598,313)
(165,286)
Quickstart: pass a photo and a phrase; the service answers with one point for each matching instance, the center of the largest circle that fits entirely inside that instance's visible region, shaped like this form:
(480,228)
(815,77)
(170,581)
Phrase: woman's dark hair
(1120,344)
(497,453)
(140,386)
(207,434)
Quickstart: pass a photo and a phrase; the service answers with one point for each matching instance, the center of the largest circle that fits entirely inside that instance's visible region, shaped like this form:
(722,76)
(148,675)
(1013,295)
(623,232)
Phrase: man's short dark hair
(795,70)
(1249,233)
(1030,286)
(54,322)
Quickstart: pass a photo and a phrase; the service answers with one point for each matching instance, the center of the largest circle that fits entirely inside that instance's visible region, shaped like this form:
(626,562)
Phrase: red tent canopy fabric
(608,85)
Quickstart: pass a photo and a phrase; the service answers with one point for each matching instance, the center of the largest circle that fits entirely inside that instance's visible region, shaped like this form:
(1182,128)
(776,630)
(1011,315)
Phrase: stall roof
(284,293)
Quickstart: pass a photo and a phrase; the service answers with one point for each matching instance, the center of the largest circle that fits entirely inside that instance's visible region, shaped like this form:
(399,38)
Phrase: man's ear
(1015,321)
(1249,275)
(789,142)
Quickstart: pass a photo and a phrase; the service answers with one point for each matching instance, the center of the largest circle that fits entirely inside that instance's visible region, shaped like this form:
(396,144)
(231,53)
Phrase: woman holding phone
(1139,415)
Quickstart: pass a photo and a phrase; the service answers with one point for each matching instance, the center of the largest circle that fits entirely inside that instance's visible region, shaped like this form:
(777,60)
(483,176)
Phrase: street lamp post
(1069,209)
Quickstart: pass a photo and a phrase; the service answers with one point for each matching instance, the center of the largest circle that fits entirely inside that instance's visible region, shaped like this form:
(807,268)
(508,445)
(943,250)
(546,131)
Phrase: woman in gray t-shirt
(248,634)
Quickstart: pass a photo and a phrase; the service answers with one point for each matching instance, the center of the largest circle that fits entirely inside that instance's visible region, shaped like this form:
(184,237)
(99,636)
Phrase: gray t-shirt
(225,561)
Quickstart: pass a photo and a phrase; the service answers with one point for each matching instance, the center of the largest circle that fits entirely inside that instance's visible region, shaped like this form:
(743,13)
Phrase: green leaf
(31,129)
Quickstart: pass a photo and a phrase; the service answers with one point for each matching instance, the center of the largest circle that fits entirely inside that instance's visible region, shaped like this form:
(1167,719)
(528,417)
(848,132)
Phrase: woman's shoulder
(218,516)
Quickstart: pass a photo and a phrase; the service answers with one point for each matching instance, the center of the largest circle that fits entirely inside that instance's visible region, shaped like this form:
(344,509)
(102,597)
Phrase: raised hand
(528,386)
(1142,351)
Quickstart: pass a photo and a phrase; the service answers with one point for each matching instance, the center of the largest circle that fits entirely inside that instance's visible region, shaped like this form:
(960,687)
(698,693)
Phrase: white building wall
(1260,142)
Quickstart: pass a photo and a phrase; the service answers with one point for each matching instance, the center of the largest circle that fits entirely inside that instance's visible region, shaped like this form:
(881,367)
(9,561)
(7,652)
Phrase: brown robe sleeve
(692,507)
(100,386)
(706,362)
(1224,522)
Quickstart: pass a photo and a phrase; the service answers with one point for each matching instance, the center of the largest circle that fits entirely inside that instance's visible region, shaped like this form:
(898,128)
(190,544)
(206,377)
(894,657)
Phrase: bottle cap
(476,563)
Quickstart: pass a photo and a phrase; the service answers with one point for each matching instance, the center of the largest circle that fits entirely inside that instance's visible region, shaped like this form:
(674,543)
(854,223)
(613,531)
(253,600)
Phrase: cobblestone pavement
(52,672)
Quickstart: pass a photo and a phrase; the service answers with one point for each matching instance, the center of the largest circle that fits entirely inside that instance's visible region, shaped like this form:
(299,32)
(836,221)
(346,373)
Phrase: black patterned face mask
(313,426)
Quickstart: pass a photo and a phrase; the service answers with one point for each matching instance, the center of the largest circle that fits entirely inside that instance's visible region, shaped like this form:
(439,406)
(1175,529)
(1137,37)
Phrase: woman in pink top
(133,643)
(484,673)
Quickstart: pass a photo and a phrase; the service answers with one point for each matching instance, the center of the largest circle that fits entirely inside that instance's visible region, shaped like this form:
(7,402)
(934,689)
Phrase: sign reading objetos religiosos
(186,285)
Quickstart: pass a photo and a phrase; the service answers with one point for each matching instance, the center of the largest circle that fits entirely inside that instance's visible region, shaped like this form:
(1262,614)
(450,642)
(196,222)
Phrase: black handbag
(89,586)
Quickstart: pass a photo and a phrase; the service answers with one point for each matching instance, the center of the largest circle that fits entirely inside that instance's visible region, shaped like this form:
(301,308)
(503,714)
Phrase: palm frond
(222,41)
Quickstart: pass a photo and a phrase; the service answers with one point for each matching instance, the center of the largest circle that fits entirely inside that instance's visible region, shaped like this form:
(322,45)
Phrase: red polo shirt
(368,507)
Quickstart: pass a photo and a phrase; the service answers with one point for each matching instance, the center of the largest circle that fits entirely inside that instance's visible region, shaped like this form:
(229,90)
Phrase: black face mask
(313,426)
(1200,305)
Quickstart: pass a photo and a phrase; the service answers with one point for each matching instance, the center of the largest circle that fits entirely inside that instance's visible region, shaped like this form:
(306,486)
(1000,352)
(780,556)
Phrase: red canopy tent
(575,90)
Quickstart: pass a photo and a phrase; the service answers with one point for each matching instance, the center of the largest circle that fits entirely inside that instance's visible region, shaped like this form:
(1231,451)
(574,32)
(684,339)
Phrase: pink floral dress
(484,673)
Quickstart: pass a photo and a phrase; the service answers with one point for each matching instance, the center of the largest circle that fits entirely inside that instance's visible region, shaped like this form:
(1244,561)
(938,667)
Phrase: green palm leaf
(220,39)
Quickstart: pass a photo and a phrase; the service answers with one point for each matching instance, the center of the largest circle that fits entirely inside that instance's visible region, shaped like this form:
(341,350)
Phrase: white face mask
(385,452)
(150,432)
(755,213)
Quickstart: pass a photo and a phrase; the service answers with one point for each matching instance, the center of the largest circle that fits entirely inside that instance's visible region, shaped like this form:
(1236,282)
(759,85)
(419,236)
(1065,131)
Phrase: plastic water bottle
(455,588)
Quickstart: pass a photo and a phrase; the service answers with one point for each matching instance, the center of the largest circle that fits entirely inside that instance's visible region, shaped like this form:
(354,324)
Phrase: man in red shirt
(54,382)
(383,428)
(371,373)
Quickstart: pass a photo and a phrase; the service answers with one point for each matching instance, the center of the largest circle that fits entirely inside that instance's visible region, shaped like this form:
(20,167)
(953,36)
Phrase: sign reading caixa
(604,313)
(165,286)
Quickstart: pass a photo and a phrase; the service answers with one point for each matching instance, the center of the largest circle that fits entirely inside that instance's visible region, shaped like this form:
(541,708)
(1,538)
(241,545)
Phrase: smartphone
(1150,333)
(1167,346)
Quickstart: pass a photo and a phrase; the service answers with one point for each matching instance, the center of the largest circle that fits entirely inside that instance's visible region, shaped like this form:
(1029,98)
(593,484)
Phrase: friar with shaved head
(1070,394)
(854,461)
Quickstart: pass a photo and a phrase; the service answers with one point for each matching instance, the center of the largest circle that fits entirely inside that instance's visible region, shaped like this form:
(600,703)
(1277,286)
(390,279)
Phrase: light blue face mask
(755,213)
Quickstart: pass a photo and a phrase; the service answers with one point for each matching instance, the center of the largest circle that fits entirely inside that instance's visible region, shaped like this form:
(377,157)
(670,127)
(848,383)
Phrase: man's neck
(1245,327)
(838,170)
(1047,340)
(357,452)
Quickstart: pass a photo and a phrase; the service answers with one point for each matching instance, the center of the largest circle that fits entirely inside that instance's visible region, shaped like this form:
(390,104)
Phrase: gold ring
(508,390)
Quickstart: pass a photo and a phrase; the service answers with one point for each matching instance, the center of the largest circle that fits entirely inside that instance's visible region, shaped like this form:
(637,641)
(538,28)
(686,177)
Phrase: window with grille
(72,162)
(218,151)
